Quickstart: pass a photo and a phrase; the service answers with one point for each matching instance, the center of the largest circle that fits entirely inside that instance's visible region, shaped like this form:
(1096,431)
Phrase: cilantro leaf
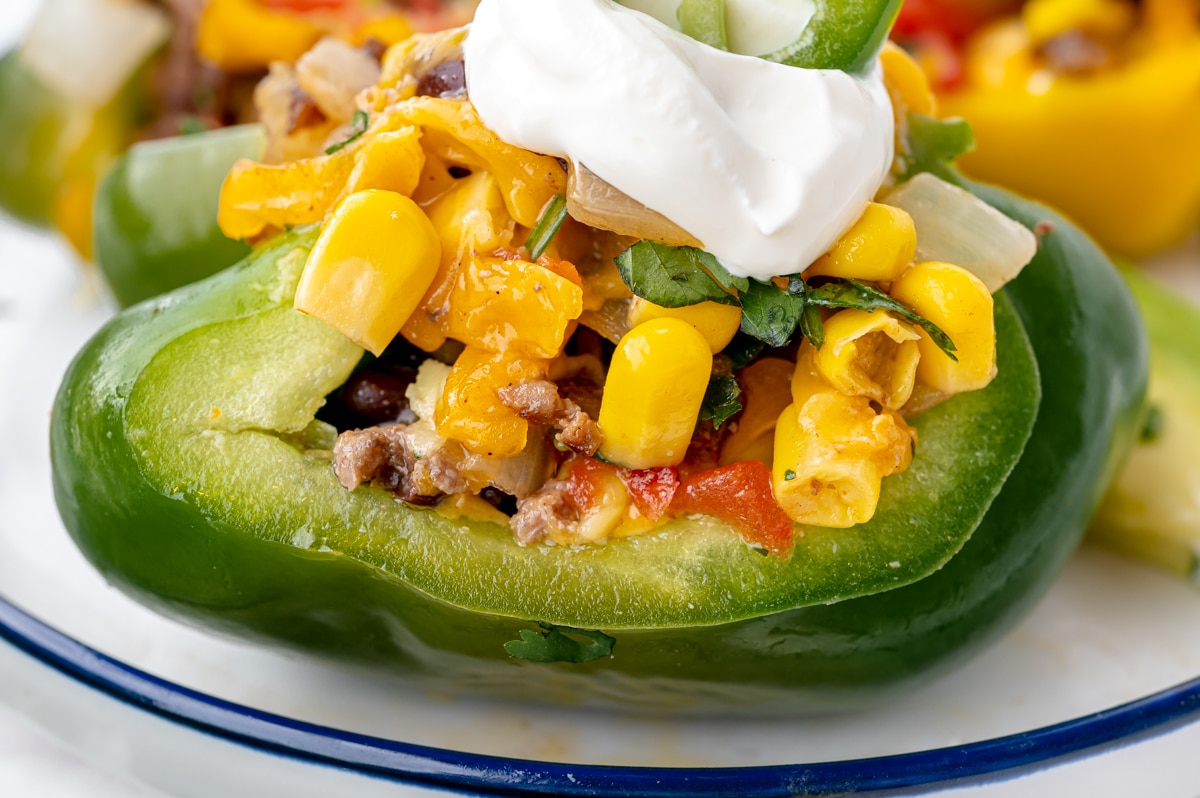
(721,399)
(547,227)
(743,350)
(853,294)
(559,644)
(932,144)
(358,126)
(675,277)
(770,314)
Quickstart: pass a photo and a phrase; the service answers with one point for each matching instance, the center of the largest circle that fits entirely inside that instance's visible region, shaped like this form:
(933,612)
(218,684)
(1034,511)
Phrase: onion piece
(598,204)
(333,73)
(955,226)
(87,50)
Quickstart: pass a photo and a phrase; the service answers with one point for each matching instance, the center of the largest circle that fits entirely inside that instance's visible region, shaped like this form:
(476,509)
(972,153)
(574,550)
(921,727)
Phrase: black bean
(378,395)
(447,79)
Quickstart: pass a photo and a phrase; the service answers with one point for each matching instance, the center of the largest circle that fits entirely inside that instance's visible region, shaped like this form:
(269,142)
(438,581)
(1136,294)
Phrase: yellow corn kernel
(374,260)
(256,195)
(653,393)
(878,247)
(1047,19)
(452,131)
(959,303)
(869,354)
(716,322)
(831,455)
(499,304)
(244,35)
(608,516)
(766,391)
(470,411)
(470,217)
(906,82)
(392,161)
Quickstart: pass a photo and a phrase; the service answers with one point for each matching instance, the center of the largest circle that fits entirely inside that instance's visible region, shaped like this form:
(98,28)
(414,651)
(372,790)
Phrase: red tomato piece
(740,494)
(651,489)
(584,482)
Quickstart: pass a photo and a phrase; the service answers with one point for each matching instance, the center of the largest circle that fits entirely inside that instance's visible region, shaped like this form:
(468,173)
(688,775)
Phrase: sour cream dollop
(765,164)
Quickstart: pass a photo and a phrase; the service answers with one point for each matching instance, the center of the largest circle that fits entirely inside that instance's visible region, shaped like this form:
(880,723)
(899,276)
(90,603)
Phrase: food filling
(555,349)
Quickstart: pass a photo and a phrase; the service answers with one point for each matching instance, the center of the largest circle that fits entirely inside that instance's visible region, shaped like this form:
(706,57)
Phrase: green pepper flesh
(156,212)
(189,546)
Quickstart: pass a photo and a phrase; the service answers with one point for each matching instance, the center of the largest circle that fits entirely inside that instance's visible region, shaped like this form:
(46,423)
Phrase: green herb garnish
(770,314)
(358,126)
(721,399)
(853,294)
(547,227)
(675,277)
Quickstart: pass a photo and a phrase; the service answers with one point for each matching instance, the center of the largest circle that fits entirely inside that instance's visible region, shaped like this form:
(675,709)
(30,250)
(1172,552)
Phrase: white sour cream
(765,164)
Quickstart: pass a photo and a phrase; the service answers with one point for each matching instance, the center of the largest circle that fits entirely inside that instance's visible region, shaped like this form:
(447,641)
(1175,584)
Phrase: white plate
(1110,632)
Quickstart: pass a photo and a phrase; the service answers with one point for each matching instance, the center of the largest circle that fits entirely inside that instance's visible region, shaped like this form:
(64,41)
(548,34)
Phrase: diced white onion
(598,204)
(87,50)
(955,226)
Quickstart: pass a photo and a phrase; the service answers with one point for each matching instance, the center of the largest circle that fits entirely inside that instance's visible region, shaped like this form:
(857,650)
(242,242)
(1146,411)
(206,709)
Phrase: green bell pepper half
(155,214)
(190,471)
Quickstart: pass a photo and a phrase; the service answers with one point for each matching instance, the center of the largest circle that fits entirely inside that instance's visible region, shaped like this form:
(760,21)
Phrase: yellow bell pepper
(1117,148)
(244,35)
(470,411)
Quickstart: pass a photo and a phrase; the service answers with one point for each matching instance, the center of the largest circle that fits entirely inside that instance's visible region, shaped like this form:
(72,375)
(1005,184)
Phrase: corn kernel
(878,247)
(470,411)
(831,455)
(766,390)
(374,260)
(869,354)
(959,303)
(244,35)
(716,322)
(906,82)
(652,397)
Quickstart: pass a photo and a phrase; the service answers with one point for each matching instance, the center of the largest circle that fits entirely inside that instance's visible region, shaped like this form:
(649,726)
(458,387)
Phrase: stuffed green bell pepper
(482,417)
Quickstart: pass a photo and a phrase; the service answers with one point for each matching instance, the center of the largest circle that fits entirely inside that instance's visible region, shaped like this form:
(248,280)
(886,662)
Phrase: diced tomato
(651,489)
(739,493)
(957,21)
(585,485)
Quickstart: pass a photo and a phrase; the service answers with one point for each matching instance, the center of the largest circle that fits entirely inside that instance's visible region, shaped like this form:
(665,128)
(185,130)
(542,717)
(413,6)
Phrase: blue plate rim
(466,773)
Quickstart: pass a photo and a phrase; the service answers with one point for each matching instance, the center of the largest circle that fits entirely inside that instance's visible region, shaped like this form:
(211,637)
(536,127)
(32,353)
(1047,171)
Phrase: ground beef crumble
(539,402)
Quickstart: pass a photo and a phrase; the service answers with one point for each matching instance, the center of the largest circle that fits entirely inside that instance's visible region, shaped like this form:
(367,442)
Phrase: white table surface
(34,764)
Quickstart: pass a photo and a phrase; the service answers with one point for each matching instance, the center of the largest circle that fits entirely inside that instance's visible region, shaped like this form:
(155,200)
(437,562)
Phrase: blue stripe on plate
(975,763)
